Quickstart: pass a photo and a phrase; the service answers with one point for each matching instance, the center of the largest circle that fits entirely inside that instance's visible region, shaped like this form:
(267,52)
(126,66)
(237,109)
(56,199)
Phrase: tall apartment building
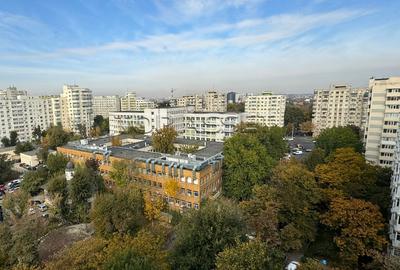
(130,102)
(341,105)
(76,108)
(211,126)
(22,113)
(103,105)
(383,120)
(266,109)
(121,121)
(394,228)
(215,102)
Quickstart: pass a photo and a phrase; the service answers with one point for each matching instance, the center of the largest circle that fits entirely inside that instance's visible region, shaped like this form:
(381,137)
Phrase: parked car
(293,265)
(308,150)
(31,211)
(298,152)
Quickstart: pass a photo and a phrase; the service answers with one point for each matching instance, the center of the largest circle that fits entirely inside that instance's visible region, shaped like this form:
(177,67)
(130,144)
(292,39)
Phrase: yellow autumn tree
(171,188)
(116,141)
(359,228)
(153,207)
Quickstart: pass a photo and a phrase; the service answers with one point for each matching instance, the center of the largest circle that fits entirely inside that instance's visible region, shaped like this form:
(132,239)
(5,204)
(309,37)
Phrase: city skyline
(194,46)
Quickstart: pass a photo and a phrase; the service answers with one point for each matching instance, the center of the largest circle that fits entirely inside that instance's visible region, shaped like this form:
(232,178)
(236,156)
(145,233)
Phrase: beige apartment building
(340,105)
(384,112)
(195,101)
(266,109)
(103,105)
(76,108)
(130,102)
(215,102)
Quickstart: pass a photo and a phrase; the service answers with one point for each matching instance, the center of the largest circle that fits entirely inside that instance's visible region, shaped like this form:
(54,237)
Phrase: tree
(359,228)
(34,180)
(82,187)
(82,130)
(253,255)
(202,234)
(57,187)
(261,215)
(171,187)
(235,107)
(43,153)
(298,196)
(121,211)
(347,173)
(6,172)
(294,115)
(246,165)
(338,137)
(122,172)
(163,140)
(306,127)
(5,246)
(189,149)
(6,142)
(153,207)
(16,204)
(23,147)
(56,163)
(37,134)
(13,138)
(116,141)
(272,139)
(130,259)
(316,157)
(100,125)
(311,264)
(55,137)
(134,130)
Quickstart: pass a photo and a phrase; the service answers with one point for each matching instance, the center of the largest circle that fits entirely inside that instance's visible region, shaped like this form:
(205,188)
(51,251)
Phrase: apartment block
(215,102)
(198,176)
(211,126)
(196,101)
(103,105)
(340,105)
(266,109)
(394,225)
(130,102)
(22,113)
(76,108)
(383,120)
(121,121)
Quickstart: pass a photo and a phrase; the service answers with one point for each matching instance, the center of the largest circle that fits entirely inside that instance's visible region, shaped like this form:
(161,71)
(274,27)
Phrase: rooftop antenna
(172,92)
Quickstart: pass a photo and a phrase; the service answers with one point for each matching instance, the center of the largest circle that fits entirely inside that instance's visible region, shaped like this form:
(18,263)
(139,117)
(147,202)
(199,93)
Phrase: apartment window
(196,193)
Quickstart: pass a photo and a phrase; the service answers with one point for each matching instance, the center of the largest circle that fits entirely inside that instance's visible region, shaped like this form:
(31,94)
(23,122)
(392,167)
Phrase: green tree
(6,172)
(34,180)
(253,255)
(37,134)
(316,157)
(189,148)
(121,211)
(16,204)
(82,130)
(5,246)
(82,187)
(298,196)
(23,147)
(6,142)
(57,187)
(202,234)
(272,139)
(134,130)
(55,136)
(246,164)
(338,137)
(56,163)
(129,259)
(294,115)
(163,139)
(13,138)
(359,229)
(122,172)
(43,153)
(235,107)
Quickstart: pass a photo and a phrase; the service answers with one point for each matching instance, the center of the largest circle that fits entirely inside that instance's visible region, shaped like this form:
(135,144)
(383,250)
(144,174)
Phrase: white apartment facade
(103,105)
(211,126)
(266,109)
(142,104)
(22,113)
(383,119)
(394,224)
(121,121)
(341,105)
(196,101)
(76,108)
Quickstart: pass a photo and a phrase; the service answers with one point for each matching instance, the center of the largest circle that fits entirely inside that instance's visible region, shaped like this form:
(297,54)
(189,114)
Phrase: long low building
(206,126)
(196,176)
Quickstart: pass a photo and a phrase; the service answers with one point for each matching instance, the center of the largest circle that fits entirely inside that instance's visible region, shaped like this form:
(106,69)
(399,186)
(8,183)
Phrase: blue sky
(151,46)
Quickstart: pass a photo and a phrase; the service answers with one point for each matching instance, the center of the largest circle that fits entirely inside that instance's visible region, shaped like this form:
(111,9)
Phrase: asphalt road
(305,141)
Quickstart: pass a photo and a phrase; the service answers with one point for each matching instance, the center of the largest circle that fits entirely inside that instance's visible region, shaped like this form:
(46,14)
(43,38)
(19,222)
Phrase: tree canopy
(56,163)
(338,137)
(55,136)
(163,139)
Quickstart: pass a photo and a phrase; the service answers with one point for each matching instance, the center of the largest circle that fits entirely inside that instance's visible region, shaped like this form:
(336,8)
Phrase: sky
(191,46)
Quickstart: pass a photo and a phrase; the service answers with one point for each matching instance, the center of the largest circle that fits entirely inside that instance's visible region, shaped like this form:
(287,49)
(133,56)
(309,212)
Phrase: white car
(298,152)
(293,265)
(42,207)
